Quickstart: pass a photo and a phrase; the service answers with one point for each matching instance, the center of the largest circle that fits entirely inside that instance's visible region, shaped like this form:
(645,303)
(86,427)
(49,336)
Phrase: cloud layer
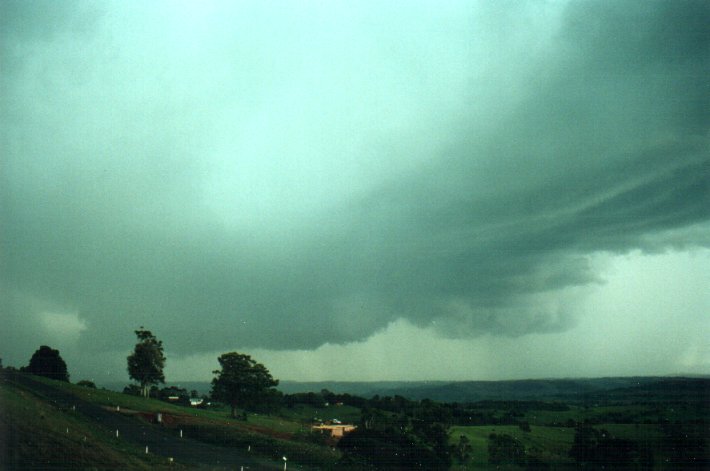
(234,176)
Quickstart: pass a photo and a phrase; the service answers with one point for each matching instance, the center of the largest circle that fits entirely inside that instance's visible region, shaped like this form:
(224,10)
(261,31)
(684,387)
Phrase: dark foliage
(388,449)
(147,361)
(463,449)
(504,449)
(310,398)
(242,382)
(86,383)
(688,449)
(597,449)
(47,362)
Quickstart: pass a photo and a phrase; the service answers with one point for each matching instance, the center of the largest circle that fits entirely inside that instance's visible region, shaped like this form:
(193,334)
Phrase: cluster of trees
(504,449)
(396,433)
(241,382)
(598,449)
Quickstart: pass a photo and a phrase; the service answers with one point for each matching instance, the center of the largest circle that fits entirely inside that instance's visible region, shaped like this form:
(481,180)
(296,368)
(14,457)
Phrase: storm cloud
(238,175)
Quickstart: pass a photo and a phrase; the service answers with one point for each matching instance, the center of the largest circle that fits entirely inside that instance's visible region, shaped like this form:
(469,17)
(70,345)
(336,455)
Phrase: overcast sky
(358,190)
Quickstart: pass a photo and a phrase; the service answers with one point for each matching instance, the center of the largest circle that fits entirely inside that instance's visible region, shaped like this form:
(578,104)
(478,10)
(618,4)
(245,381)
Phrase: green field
(551,444)
(40,428)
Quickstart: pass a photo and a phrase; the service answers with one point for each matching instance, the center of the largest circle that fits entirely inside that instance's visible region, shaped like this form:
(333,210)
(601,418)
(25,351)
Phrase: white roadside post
(285,461)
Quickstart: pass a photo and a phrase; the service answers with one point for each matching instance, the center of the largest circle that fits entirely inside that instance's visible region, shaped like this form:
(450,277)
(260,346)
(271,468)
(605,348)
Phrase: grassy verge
(263,445)
(266,435)
(37,435)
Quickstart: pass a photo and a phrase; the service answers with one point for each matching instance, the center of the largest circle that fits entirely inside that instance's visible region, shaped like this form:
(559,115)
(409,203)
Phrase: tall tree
(241,381)
(47,362)
(147,361)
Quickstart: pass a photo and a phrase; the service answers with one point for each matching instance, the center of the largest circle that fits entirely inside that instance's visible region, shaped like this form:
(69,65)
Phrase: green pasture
(550,444)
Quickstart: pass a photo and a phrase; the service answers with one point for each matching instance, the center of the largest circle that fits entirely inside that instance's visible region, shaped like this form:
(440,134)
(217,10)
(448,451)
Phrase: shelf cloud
(235,175)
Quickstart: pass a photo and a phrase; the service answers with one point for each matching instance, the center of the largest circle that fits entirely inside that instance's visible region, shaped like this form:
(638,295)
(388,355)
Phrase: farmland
(46,423)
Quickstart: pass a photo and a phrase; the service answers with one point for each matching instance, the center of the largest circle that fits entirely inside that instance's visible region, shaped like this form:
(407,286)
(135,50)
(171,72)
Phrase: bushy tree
(147,361)
(463,449)
(241,381)
(504,449)
(47,362)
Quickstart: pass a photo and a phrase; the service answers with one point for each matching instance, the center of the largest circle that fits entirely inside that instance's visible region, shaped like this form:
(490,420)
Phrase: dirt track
(158,440)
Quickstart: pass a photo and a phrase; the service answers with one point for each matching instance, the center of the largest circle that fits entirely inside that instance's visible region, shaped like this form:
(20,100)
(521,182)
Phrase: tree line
(241,382)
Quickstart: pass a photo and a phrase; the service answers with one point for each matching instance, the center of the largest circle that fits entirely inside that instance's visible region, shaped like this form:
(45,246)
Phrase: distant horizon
(672,375)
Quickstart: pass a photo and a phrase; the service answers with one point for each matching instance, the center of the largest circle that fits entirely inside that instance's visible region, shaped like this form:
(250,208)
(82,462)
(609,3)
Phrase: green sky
(358,190)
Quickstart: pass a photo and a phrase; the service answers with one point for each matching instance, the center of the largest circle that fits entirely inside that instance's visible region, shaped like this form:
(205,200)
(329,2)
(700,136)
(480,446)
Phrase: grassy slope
(36,434)
(268,435)
(125,401)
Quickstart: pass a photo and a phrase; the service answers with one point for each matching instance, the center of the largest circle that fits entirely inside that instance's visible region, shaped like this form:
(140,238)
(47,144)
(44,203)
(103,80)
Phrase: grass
(39,431)
(264,445)
(39,435)
(550,444)
(220,414)
(271,436)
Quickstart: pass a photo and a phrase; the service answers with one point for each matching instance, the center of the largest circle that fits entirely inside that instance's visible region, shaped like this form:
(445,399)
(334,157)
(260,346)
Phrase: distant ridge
(472,391)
